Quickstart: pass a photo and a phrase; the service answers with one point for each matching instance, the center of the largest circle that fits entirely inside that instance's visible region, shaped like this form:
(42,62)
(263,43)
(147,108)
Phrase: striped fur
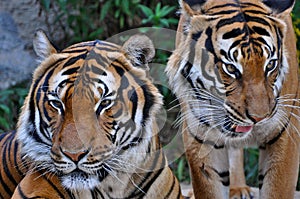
(13,169)
(235,73)
(88,124)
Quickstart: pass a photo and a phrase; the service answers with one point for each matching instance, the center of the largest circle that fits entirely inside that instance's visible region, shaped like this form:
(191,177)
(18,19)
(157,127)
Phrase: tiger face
(90,110)
(229,68)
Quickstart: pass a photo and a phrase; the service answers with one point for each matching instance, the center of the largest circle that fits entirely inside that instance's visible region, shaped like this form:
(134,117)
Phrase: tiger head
(230,65)
(90,109)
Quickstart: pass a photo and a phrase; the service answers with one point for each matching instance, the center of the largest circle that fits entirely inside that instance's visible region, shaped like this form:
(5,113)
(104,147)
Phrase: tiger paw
(241,193)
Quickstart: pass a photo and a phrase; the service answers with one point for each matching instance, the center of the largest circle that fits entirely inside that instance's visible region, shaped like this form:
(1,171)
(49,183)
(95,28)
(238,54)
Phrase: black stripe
(98,192)
(233,33)
(272,141)
(127,127)
(185,72)
(15,158)
(5,167)
(7,161)
(118,69)
(42,90)
(21,193)
(260,20)
(196,36)
(78,50)
(208,42)
(229,21)
(148,176)
(70,71)
(98,71)
(73,60)
(223,12)
(235,111)
(194,2)
(102,61)
(53,186)
(132,96)
(149,101)
(260,180)
(171,188)
(134,142)
(261,31)
(153,178)
(251,5)
(208,142)
(225,6)
(82,45)
(225,178)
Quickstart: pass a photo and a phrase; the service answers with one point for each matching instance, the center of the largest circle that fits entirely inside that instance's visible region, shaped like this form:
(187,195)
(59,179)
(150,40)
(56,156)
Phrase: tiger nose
(75,156)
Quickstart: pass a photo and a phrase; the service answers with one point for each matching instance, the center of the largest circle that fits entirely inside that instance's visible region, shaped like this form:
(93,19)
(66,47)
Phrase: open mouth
(237,129)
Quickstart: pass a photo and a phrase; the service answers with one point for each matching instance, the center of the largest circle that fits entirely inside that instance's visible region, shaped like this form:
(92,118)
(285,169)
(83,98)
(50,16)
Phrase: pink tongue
(243,129)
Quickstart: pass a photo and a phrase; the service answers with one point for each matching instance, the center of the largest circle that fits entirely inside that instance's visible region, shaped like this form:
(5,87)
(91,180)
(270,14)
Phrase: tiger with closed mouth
(88,126)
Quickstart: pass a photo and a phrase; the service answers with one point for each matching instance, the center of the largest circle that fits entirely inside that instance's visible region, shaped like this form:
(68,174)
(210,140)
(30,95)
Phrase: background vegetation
(91,19)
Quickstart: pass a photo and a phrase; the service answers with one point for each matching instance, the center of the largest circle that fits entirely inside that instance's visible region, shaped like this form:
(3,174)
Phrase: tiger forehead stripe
(235,7)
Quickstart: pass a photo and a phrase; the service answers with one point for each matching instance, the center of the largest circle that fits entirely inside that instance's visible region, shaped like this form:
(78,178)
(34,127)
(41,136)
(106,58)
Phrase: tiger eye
(105,103)
(271,65)
(231,68)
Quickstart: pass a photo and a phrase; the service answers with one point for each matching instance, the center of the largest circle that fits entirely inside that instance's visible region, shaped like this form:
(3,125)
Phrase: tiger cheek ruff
(235,73)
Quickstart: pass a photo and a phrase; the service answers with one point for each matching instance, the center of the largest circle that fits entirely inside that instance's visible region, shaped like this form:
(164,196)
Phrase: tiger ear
(191,7)
(280,6)
(42,46)
(140,50)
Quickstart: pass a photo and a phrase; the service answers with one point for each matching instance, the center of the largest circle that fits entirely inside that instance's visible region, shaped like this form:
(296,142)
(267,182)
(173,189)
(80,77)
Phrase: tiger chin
(235,73)
(88,125)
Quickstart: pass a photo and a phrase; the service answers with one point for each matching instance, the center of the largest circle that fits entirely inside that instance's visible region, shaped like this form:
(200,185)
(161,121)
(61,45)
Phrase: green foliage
(296,24)
(11,101)
(82,17)
(93,19)
(158,16)
(181,169)
(122,10)
(251,166)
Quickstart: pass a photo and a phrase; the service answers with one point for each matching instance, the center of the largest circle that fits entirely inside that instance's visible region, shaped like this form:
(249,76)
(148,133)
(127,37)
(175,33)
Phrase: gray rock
(16,63)
(19,19)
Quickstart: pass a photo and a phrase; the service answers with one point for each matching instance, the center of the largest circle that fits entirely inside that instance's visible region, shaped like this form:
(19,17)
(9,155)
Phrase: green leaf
(157,8)
(46,4)
(95,34)
(117,3)
(4,123)
(135,1)
(146,10)
(122,21)
(125,8)
(166,10)
(164,22)
(173,21)
(180,169)
(117,14)
(5,109)
(104,10)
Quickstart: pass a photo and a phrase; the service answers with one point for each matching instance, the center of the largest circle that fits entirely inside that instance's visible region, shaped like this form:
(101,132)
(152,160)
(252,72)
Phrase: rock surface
(19,19)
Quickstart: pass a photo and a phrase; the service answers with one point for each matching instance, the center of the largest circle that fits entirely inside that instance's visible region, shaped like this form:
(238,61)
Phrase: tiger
(235,72)
(88,128)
